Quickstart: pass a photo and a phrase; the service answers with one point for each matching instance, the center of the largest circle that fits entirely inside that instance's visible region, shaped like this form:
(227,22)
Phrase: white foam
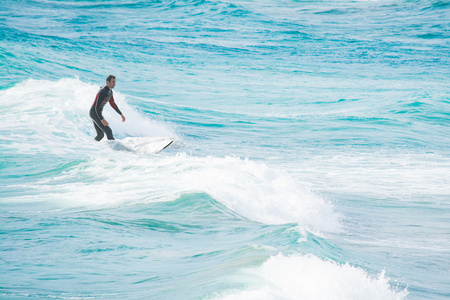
(401,173)
(308,277)
(258,192)
(251,189)
(53,117)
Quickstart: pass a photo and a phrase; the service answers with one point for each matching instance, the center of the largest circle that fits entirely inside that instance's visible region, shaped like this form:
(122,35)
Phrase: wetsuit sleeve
(98,103)
(114,105)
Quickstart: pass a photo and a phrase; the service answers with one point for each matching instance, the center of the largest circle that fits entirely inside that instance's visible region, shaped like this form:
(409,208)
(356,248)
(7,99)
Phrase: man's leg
(100,128)
(100,133)
(108,132)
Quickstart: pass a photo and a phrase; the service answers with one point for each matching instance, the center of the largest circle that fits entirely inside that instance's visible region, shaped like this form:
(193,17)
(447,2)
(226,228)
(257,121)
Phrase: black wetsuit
(104,95)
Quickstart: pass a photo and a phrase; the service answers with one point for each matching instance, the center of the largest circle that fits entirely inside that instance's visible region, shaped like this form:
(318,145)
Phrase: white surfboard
(141,145)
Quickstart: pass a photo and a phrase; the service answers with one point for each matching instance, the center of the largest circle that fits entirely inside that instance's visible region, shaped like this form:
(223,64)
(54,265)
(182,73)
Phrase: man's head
(111,81)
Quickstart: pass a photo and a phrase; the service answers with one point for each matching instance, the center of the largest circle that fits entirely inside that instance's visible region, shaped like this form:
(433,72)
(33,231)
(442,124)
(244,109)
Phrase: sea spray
(309,277)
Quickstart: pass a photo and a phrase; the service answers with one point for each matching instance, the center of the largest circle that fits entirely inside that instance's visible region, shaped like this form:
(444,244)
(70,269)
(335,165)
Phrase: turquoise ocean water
(311,156)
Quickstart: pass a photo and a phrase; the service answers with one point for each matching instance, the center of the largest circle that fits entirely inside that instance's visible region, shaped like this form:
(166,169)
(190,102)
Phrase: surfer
(104,95)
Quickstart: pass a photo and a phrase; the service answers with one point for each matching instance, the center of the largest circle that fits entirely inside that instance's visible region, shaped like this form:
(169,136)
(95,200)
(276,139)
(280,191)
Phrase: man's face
(111,84)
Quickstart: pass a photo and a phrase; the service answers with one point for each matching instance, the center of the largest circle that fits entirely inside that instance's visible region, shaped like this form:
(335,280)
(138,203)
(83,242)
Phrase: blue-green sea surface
(310,158)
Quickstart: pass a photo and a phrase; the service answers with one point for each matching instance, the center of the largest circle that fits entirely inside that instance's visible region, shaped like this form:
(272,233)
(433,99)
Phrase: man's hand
(123,118)
(105,123)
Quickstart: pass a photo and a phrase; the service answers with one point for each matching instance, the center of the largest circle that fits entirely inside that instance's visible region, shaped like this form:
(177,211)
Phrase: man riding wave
(104,95)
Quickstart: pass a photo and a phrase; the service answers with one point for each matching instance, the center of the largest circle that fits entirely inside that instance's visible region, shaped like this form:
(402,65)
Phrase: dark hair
(110,77)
